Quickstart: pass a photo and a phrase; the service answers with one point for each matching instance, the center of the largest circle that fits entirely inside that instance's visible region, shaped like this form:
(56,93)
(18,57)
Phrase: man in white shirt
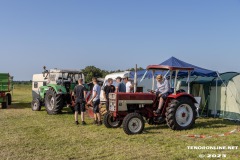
(129,86)
(162,91)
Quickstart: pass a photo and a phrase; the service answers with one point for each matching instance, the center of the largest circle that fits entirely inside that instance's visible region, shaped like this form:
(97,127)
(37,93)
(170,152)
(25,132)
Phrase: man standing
(109,88)
(96,101)
(162,91)
(120,87)
(128,83)
(80,94)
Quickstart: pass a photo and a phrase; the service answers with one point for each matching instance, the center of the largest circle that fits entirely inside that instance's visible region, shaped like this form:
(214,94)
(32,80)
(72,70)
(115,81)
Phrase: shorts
(164,96)
(80,106)
(96,106)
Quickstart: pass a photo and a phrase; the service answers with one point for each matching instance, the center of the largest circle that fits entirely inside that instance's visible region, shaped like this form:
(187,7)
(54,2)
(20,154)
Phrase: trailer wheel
(4,105)
(9,98)
(133,123)
(109,122)
(53,102)
(181,114)
(36,105)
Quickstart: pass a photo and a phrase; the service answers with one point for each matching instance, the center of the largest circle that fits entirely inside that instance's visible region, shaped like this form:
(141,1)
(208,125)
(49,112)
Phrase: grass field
(26,134)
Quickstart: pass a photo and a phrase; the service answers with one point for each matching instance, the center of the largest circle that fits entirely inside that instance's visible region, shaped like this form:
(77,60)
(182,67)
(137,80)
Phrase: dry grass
(35,135)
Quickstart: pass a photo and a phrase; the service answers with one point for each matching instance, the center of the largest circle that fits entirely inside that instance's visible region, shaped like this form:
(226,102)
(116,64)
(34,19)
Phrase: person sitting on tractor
(162,91)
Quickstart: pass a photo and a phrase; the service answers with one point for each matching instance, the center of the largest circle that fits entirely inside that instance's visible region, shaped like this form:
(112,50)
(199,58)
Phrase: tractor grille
(112,102)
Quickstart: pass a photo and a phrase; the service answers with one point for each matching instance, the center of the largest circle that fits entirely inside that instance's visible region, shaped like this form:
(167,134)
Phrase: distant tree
(90,72)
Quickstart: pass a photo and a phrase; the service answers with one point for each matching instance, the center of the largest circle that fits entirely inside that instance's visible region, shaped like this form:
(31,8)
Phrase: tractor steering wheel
(151,91)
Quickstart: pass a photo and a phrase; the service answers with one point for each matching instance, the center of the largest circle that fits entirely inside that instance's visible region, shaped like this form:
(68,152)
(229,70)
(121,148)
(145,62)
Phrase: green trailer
(6,87)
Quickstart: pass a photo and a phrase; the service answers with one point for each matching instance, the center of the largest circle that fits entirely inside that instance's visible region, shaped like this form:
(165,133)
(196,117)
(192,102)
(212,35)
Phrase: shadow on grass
(204,123)
(214,123)
(16,105)
(152,129)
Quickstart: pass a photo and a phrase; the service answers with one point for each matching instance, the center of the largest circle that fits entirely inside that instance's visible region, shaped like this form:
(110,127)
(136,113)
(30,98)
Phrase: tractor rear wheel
(9,98)
(109,122)
(181,113)
(53,102)
(133,123)
(36,105)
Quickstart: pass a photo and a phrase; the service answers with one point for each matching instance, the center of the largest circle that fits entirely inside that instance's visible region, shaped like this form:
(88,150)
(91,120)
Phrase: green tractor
(53,89)
(6,87)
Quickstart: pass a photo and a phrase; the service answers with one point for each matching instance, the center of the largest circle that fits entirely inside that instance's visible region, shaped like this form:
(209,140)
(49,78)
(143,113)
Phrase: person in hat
(120,86)
(109,88)
(128,83)
(162,91)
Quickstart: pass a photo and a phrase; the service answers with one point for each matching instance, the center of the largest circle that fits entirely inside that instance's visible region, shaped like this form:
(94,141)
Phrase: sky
(117,34)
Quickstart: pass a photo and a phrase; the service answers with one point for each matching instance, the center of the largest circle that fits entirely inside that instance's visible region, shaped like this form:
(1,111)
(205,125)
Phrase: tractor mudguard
(42,91)
(58,88)
(176,96)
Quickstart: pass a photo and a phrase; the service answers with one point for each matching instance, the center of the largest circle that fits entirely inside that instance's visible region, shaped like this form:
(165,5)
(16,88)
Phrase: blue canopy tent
(174,62)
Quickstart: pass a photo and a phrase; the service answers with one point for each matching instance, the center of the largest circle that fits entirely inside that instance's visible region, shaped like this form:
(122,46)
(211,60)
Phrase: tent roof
(176,63)
(198,71)
(226,77)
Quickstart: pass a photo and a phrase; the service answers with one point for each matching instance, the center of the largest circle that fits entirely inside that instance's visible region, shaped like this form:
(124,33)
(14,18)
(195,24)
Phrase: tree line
(92,71)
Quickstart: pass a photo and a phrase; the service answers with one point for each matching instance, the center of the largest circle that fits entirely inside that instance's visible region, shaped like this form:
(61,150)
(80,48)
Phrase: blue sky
(117,34)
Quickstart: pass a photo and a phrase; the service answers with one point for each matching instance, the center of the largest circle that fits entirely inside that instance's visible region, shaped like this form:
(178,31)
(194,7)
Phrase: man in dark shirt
(80,94)
(120,86)
(109,88)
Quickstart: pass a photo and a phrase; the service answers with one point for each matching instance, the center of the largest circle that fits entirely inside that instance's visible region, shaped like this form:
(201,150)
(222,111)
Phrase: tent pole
(153,80)
(188,82)
(175,81)
(215,112)
(170,80)
(144,76)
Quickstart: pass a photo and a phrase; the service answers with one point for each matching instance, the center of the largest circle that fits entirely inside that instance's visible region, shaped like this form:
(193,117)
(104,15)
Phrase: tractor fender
(42,91)
(179,95)
(58,88)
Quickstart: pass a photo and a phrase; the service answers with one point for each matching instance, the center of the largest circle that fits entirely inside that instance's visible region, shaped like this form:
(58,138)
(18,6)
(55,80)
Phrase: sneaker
(76,122)
(157,111)
(84,123)
(99,123)
(94,122)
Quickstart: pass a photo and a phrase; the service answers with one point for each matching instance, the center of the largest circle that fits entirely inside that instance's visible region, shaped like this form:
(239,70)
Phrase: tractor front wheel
(53,102)
(133,123)
(109,122)
(36,105)
(181,113)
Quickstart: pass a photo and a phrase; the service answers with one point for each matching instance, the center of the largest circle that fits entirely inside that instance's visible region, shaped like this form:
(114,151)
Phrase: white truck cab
(38,80)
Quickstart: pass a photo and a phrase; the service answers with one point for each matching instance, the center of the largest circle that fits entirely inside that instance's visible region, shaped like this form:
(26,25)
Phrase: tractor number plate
(111,107)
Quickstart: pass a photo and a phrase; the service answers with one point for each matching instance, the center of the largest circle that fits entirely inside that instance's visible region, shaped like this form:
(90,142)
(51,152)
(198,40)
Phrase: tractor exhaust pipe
(135,79)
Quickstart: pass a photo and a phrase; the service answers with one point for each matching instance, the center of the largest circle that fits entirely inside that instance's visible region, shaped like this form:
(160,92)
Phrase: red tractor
(128,109)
